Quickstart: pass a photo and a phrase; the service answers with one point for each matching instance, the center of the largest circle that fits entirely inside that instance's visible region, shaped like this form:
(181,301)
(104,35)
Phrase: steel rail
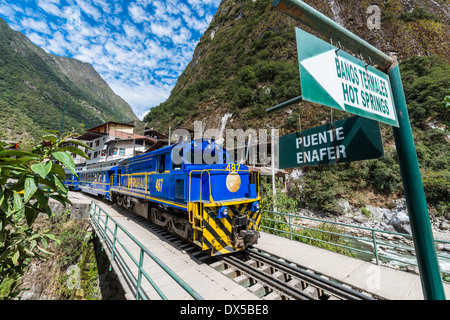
(274,283)
(316,281)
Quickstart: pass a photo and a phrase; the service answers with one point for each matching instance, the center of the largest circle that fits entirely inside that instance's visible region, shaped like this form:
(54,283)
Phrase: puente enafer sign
(351,139)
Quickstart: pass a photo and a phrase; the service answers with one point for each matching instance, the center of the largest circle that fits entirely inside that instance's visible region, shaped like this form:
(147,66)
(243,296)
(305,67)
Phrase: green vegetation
(76,250)
(27,181)
(324,237)
(419,13)
(251,64)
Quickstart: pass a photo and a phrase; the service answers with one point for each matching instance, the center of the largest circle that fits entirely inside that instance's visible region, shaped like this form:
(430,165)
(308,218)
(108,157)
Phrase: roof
(89,135)
(125,124)
(137,137)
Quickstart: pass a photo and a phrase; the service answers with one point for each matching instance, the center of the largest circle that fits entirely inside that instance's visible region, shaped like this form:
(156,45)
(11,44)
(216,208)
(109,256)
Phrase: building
(116,141)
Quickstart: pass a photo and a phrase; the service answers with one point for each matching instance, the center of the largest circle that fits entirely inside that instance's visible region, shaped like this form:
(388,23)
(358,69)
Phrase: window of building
(121,151)
(95,154)
(97,143)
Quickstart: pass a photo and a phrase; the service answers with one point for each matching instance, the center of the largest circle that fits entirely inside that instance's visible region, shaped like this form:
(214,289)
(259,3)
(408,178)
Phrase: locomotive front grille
(231,233)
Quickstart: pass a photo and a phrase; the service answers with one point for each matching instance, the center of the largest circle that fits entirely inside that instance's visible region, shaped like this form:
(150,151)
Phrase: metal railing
(288,225)
(100,218)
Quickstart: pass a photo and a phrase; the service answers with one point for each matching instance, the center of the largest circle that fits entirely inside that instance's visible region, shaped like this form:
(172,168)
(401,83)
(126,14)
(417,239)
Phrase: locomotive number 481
(233,167)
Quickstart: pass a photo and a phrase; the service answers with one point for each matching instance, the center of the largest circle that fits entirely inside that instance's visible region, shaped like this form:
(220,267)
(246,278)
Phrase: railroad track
(272,278)
(267,276)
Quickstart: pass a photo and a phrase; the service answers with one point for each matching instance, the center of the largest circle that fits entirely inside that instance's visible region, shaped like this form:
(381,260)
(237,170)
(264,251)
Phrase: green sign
(351,139)
(336,79)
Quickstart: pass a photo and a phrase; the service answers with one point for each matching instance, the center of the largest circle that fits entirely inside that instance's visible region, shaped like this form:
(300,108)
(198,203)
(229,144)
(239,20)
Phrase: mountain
(246,62)
(36,86)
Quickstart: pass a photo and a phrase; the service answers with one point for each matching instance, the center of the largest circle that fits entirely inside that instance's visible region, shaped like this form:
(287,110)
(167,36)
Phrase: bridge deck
(206,281)
(382,281)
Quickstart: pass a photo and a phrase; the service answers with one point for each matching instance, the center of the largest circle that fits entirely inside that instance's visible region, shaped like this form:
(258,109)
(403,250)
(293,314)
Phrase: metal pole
(415,195)
(170,132)
(285,104)
(272,151)
(412,182)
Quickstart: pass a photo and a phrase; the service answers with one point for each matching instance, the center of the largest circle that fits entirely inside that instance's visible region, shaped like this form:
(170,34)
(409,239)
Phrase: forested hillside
(35,87)
(247,62)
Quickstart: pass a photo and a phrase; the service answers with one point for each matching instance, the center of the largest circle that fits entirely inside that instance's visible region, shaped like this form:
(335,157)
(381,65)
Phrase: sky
(139,47)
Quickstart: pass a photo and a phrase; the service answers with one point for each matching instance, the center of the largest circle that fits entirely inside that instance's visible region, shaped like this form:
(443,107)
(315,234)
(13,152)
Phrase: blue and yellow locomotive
(189,188)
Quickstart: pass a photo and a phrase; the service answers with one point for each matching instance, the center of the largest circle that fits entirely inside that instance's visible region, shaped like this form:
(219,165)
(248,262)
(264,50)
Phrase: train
(189,188)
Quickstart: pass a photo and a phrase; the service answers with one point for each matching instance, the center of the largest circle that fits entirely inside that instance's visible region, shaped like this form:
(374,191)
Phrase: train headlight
(256,206)
(223,212)
(233,181)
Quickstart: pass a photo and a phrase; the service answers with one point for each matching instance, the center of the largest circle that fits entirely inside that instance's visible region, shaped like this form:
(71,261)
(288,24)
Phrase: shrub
(22,199)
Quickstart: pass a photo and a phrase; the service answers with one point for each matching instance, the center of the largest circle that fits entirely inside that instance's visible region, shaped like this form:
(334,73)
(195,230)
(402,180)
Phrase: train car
(95,179)
(72,182)
(216,206)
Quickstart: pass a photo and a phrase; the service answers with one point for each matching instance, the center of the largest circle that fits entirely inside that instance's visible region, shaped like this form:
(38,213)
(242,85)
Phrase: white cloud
(87,8)
(141,95)
(37,39)
(139,49)
(39,26)
(52,7)
(7,11)
(58,44)
(137,13)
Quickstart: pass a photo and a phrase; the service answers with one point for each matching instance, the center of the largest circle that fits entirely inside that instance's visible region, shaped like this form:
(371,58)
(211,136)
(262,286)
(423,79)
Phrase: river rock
(401,222)
(381,214)
(345,207)
(444,225)
(360,218)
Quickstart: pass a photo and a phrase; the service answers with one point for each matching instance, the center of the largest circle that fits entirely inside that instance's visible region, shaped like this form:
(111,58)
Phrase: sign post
(432,286)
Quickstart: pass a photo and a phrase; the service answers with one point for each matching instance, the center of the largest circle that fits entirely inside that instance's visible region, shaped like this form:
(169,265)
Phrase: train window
(161,163)
(179,189)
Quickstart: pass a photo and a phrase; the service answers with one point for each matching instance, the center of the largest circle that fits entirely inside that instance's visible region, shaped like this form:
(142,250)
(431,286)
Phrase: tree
(27,181)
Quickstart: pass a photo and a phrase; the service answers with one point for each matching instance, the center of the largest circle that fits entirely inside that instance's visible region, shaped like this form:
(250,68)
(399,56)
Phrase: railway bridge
(156,265)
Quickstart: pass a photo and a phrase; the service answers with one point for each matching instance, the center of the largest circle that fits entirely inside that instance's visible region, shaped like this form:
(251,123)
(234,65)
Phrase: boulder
(401,222)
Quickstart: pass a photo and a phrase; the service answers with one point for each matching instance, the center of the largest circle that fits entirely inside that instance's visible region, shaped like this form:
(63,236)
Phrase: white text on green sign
(352,139)
(334,78)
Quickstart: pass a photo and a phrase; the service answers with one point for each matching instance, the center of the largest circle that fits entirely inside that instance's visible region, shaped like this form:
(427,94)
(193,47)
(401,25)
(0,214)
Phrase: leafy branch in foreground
(27,181)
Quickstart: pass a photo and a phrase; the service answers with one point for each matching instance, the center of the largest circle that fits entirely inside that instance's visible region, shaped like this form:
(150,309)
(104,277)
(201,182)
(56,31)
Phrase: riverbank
(395,245)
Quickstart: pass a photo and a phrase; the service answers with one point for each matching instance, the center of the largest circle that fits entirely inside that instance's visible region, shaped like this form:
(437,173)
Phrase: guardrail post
(106,226)
(290,227)
(141,260)
(114,245)
(375,247)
